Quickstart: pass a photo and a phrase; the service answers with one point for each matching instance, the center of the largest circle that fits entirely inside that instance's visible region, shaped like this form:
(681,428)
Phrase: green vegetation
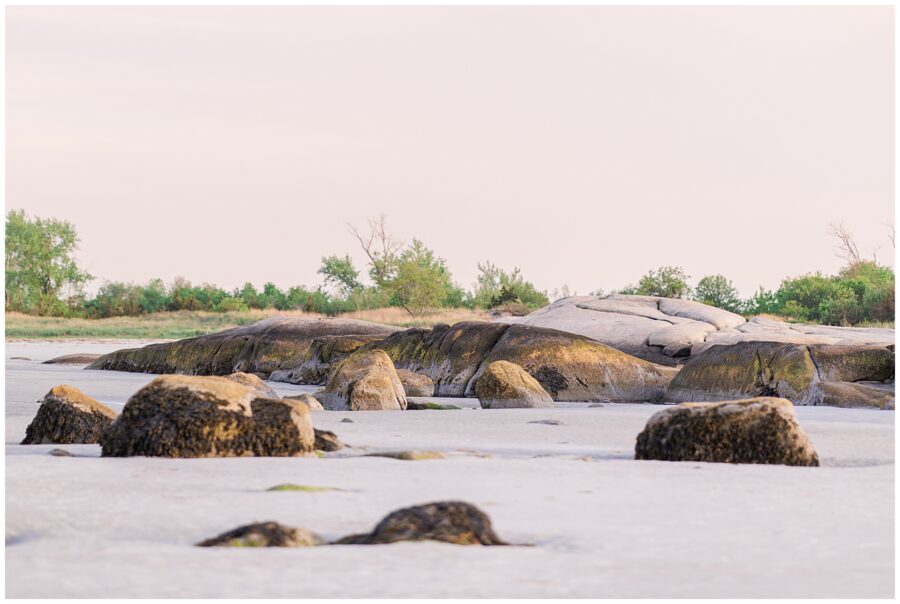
(44,280)
(666,281)
(301,487)
(716,290)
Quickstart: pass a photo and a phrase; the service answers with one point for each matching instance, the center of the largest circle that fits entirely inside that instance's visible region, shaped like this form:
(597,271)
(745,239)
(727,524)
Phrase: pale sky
(585,145)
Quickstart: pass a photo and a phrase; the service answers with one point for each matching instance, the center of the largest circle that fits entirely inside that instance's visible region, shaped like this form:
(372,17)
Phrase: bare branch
(846,247)
(380,247)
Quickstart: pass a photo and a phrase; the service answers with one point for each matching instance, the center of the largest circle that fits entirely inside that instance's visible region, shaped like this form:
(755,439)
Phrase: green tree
(340,275)
(717,291)
(665,282)
(422,281)
(494,287)
(40,267)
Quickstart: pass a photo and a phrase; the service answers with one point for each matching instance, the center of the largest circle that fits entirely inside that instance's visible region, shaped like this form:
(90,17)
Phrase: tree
(40,266)
(665,282)
(495,286)
(340,274)
(717,291)
(422,280)
(381,248)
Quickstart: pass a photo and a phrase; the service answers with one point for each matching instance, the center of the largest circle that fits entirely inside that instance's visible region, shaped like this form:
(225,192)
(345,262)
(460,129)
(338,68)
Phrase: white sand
(602,523)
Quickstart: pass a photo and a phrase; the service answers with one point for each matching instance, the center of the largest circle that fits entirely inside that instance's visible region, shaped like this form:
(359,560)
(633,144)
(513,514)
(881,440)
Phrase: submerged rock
(264,534)
(364,381)
(68,416)
(81,358)
(415,384)
(270,345)
(505,385)
(188,416)
(759,430)
(448,521)
(806,375)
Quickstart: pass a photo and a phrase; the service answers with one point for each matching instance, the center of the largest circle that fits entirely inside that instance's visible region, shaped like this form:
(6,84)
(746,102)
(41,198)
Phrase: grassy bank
(184,324)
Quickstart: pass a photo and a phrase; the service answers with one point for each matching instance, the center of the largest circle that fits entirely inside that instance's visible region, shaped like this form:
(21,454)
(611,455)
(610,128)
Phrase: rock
(364,381)
(415,384)
(549,422)
(504,385)
(264,534)
(323,354)
(309,400)
(327,441)
(669,331)
(19,359)
(270,345)
(428,406)
(82,358)
(759,430)
(448,521)
(253,382)
(59,453)
(347,420)
(806,375)
(568,366)
(68,416)
(189,416)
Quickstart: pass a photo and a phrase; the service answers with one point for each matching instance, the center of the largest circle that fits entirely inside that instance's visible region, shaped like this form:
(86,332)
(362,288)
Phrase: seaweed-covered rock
(448,521)
(188,416)
(364,381)
(806,375)
(505,385)
(327,441)
(254,382)
(311,402)
(68,416)
(759,430)
(415,384)
(277,343)
(264,534)
(568,366)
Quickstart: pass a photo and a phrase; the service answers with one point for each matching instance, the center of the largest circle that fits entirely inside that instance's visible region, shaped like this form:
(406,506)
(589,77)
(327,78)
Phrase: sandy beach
(600,523)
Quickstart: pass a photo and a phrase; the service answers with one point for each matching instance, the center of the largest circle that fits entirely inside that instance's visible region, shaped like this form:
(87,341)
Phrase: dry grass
(184,324)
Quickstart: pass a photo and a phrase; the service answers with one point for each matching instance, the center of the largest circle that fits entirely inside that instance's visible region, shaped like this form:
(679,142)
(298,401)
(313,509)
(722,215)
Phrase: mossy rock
(754,431)
(190,416)
(364,381)
(505,385)
(302,488)
(264,534)
(409,455)
(68,416)
(415,384)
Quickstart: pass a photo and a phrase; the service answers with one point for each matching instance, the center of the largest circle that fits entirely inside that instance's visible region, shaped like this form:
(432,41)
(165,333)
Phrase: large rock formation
(759,430)
(448,521)
(668,331)
(68,416)
(568,366)
(188,416)
(323,354)
(364,381)
(505,385)
(263,347)
(845,376)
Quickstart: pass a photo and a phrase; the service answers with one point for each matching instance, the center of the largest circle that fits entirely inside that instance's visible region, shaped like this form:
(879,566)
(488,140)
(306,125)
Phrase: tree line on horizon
(43,278)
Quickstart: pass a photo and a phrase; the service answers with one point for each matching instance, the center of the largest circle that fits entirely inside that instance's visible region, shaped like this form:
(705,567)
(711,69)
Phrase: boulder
(806,375)
(505,385)
(327,441)
(189,416)
(669,331)
(323,354)
(270,345)
(81,358)
(759,430)
(415,384)
(364,381)
(68,416)
(253,382)
(448,521)
(264,534)
(568,366)
(307,399)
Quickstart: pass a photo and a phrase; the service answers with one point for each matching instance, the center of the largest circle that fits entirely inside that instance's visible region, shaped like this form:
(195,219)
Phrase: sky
(585,145)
